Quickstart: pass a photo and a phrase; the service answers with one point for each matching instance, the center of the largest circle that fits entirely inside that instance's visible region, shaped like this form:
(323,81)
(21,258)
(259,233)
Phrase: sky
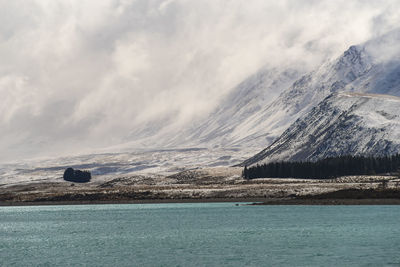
(77,75)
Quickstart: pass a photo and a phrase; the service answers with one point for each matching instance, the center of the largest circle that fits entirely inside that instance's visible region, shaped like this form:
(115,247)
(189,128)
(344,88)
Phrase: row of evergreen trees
(326,168)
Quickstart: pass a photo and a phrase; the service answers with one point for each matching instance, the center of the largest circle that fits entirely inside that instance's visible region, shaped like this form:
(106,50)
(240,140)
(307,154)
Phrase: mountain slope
(250,121)
(228,125)
(309,90)
(342,124)
(259,109)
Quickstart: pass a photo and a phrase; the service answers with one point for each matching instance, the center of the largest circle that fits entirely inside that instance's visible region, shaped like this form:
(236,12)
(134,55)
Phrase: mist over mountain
(77,77)
(232,123)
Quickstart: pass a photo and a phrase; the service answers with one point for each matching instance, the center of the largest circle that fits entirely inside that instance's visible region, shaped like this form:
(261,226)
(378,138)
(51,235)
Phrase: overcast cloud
(81,74)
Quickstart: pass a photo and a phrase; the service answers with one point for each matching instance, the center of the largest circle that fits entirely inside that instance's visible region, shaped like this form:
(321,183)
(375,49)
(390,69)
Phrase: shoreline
(248,201)
(206,186)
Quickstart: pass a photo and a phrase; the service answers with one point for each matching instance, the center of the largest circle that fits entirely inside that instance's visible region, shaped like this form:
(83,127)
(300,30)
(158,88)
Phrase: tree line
(326,168)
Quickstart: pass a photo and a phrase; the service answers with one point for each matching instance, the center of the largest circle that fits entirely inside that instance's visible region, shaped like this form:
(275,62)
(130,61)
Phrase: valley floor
(206,185)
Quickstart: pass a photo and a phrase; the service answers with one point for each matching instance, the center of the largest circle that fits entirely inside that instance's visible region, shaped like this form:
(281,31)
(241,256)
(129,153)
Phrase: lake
(209,234)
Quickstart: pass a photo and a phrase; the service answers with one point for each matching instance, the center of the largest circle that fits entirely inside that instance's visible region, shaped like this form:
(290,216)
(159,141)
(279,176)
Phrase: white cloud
(81,74)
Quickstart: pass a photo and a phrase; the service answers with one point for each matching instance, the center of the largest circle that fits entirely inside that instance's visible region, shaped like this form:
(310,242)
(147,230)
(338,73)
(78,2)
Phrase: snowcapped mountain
(373,67)
(370,68)
(261,108)
(342,124)
(255,114)
(309,90)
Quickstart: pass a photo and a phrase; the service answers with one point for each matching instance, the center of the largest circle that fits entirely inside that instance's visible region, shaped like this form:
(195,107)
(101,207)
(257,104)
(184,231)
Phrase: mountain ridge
(342,124)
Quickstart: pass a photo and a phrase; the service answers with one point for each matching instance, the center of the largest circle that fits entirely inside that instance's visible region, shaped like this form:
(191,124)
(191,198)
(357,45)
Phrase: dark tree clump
(326,168)
(77,176)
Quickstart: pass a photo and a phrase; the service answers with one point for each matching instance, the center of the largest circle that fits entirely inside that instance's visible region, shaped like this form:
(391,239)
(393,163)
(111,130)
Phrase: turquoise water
(212,234)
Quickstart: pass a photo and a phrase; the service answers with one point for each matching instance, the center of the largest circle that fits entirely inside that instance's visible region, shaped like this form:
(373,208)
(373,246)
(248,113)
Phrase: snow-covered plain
(108,166)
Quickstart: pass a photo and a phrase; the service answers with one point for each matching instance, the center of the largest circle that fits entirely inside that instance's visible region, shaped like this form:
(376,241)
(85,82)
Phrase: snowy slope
(229,124)
(342,124)
(308,91)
